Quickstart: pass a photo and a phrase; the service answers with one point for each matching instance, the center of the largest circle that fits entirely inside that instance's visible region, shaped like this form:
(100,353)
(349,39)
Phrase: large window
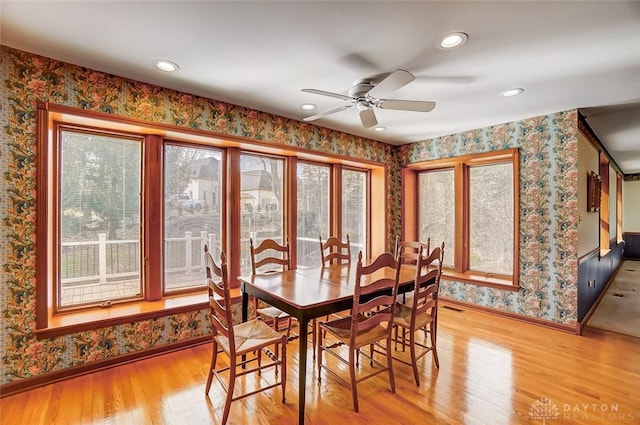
(471,204)
(192,213)
(354,210)
(98,247)
(261,202)
(129,207)
(313,210)
(437,209)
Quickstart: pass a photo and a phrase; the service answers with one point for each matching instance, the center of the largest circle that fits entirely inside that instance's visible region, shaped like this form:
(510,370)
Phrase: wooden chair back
(334,251)
(269,255)
(407,252)
(427,283)
(380,278)
(219,296)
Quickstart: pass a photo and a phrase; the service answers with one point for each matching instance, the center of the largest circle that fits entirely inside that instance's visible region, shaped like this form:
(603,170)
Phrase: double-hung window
(471,204)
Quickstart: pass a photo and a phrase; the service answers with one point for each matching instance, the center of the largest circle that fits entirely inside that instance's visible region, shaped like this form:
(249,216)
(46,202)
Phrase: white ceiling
(565,54)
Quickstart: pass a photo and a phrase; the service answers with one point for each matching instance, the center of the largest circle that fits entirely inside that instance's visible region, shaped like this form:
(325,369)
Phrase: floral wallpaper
(548,258)
(548,212)
(27,78)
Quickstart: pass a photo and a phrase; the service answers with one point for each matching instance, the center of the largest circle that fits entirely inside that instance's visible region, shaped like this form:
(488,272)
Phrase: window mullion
(461,263)
(153,246)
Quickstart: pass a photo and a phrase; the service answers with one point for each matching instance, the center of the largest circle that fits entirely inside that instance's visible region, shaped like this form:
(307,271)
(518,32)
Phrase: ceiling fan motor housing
(360,89)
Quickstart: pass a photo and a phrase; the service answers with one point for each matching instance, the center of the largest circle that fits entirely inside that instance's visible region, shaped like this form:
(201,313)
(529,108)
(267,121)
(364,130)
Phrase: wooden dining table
(310,293)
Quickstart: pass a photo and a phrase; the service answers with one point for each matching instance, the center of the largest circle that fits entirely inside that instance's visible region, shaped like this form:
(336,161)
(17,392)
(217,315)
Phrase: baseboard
(72,372)
(532,320)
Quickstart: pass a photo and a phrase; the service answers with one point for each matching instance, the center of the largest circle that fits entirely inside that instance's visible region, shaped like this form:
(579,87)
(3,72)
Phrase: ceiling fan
(365,95)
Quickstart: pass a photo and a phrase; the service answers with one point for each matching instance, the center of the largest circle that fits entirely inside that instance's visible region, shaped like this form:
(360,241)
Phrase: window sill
(604,252)
(79,321)
(503,283)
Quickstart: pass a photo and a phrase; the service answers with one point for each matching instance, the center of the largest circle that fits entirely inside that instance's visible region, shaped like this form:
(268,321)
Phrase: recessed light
(166,65)
(308,106)
(379,128)
(452,40)
(512,92)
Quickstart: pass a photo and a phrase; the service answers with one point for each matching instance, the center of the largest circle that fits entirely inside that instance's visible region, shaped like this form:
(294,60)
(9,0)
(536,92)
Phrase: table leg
(245,306)
(302,373)
(245,317)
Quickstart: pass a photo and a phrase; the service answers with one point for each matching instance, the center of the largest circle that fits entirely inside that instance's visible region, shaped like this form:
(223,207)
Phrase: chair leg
(214,358)
(392,381)
(283,359)
(352,374)
(314,336)
(259,356)
(232,382)
(319,359)
(433,347)
(414,361)
(288,327)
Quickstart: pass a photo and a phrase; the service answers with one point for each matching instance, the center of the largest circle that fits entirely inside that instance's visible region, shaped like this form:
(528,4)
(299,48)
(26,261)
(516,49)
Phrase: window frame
(604,213)
(461,165)
(55,224)
(155,304)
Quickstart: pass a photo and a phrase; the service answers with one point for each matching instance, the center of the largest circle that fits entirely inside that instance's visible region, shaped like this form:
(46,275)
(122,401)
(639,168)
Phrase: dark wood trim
(234,221)
(476,279)
(153,184)
(519,317)
(291,217)
(75,371)
(42,216)
(198,136)
(588,255)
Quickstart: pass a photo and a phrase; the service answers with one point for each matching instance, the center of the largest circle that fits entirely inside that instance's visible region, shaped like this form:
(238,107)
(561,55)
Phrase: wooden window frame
(155,303)
(619,235)
(461,165)
(604,212)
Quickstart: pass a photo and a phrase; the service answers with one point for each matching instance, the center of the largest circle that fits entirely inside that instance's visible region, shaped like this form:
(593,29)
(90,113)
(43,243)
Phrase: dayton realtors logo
(545,409)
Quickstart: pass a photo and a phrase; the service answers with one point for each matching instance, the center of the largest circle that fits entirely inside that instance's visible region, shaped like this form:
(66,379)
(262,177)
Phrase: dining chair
(269,257)
(422,314)
(334,251)
(370,324)
(407,251)
(245,341)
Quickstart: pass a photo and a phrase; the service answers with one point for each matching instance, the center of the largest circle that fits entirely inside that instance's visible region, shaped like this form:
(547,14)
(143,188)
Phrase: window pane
(436,210)
(261,184)
(192,213)
(99,251)
(313,211)
(491,218)
(354,210)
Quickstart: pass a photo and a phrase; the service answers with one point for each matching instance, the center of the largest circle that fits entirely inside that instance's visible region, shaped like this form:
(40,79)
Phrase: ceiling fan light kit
(366,96)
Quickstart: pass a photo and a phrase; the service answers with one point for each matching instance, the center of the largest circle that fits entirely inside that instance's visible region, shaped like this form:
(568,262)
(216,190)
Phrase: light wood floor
(492,370)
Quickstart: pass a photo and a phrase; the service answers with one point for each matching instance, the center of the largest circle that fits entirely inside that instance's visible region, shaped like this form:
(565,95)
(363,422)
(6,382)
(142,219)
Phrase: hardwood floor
(492,371)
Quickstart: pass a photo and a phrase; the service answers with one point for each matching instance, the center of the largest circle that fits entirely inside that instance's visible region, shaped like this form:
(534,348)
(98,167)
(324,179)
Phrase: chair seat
(341,329)
(402,317)
(272,312)
(250,336)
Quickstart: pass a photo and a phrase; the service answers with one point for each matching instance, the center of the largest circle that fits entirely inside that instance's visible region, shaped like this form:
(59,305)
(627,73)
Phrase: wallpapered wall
(548,212)
(27,78)
(548,259)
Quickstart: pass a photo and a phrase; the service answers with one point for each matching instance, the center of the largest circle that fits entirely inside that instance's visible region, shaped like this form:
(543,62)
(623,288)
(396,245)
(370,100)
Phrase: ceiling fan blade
(368,118)
(328,93)
(395,80)
(325,113)
(406,105)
